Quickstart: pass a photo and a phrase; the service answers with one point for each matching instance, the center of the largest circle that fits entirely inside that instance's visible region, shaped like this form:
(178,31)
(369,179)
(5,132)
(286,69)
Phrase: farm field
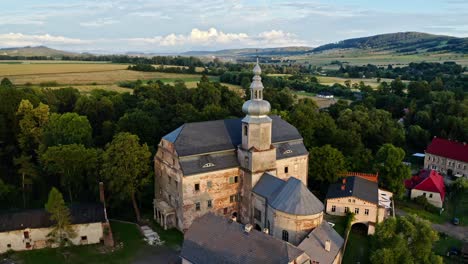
(326,80)
(379,59)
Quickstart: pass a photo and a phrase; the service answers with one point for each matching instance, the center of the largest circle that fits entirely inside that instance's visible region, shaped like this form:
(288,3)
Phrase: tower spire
(256,106)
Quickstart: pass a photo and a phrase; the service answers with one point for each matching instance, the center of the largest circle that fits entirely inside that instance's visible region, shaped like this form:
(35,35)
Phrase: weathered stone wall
(258,135)
(38,237)
(259,203)
(168,178)
(297,226)
(219,193)
(297,167)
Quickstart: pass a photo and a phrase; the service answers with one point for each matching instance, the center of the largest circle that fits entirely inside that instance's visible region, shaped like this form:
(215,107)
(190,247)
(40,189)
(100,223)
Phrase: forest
(61,138)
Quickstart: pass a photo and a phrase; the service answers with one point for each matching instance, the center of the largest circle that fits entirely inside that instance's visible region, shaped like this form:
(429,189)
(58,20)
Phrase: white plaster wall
(436,200)
(352,203)
(38,237)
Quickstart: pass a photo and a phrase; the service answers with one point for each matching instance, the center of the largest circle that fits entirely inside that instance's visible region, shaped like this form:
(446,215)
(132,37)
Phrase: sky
(114,26)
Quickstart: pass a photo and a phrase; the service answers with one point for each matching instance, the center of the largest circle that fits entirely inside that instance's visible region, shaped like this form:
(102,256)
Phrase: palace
(252,170)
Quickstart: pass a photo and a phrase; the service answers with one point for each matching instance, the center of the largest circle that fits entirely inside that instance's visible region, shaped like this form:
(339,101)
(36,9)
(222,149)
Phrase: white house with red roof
(447,157)
(430,184)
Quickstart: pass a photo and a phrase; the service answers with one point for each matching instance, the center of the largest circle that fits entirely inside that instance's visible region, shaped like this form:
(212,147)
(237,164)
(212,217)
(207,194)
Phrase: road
(458,232)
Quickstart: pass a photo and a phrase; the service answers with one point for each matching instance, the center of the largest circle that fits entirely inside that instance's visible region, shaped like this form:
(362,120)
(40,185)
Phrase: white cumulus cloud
(20,40)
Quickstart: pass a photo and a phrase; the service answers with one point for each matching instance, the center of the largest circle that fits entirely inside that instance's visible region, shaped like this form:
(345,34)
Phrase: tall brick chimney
(102,198)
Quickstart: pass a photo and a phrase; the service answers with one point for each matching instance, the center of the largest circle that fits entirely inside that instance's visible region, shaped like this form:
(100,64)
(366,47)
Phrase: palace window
(257,215)
(430,195)
(232,198)
(26,234)
(197,187)
(285,235)
(197,206)
(346,209)
(286,169)
(333,209)
(246,130)
(209,184)
(209,204)
(84,238)
(366,211)
(356,210)
(225,210)
(234,179)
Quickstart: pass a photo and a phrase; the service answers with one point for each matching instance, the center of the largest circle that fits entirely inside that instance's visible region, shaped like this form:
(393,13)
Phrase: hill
(35,51)
(247,52)
(401,42)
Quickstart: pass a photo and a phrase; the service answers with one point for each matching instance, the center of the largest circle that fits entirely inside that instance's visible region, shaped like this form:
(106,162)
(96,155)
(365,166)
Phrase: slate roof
(213,239)
(355,186)
(196,164)
(40,218)
(314,244)
(448,149)
(290,149)
(221,135)
(290,196)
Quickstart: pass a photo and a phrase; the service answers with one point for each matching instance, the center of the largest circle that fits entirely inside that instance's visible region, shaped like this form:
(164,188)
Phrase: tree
(397,87)
(404,240)
(6,83)
(60,214)
(325,163)
(418,137)
(72,162)
(69,128)
(28,170)
(391,168)
(31,123)
(126,167)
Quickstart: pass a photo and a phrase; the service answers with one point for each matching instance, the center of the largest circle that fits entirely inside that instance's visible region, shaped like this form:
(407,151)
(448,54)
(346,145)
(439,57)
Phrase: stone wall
(297,226)
(219,193)
(296,166)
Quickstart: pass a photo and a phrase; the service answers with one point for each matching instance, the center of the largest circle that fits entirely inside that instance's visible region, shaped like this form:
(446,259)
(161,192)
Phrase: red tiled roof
(433,183)
(449,149)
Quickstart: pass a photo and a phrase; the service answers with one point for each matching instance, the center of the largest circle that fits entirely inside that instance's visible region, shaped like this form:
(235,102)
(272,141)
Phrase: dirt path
(458,232)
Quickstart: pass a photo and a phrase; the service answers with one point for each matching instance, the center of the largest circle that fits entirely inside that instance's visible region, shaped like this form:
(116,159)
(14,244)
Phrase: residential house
(359,194)
(447,157)
(428,183)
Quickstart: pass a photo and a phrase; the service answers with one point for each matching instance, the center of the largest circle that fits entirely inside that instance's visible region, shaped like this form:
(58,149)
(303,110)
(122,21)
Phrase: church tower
(256,154)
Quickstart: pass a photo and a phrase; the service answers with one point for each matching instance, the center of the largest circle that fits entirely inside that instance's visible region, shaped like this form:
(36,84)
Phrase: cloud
(20,40)
(213,37)
(16,19)
(100,22)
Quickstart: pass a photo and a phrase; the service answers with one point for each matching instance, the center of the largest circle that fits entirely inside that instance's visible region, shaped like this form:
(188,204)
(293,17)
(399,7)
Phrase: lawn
(357,247)
(444,244)
(173,238)
(339,221)
(128,240)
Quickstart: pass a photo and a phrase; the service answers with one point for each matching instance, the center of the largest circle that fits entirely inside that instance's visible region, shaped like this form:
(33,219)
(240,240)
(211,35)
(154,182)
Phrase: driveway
(458,232)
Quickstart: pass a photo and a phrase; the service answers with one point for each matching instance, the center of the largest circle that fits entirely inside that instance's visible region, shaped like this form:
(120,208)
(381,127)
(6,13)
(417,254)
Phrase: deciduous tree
(126,167)
(391,169)
(325,163)
(60,214)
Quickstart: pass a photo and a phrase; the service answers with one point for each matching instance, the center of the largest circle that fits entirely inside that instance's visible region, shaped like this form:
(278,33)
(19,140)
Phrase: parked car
(455,221)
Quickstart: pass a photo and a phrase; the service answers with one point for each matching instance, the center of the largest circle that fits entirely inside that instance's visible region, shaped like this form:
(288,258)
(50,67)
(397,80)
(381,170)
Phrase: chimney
(248,228)
(344,180)
(266,231)
(327,245)
(102,198)
(343,187)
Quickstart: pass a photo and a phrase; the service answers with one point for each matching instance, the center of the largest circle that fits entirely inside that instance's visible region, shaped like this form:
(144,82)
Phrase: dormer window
(288,151)
(208,165)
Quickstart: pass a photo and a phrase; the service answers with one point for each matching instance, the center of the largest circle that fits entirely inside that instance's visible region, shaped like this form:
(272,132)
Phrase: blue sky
(181,25)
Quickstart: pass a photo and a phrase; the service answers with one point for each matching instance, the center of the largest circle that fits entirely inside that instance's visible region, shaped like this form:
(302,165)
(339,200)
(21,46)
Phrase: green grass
(444,244)
(339,221)
(128,240)
(452,208)
(172,238)
(357,248)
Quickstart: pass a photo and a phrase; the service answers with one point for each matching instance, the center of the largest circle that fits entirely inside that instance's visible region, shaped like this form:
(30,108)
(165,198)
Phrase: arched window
(245,130)
(285,235)
(260,94)
(256,94)
(209,164)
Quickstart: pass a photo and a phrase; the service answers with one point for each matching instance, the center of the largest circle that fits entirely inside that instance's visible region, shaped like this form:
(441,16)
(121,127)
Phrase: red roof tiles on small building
(448,149)
(433,182)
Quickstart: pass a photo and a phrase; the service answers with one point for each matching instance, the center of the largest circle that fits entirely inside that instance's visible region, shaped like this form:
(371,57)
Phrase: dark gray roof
(357,187)
(268,186)
(294,198)
(314,244)
(290,196)
(40,218)
(221,135)
(199,164)
(213,239)
(290,149)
